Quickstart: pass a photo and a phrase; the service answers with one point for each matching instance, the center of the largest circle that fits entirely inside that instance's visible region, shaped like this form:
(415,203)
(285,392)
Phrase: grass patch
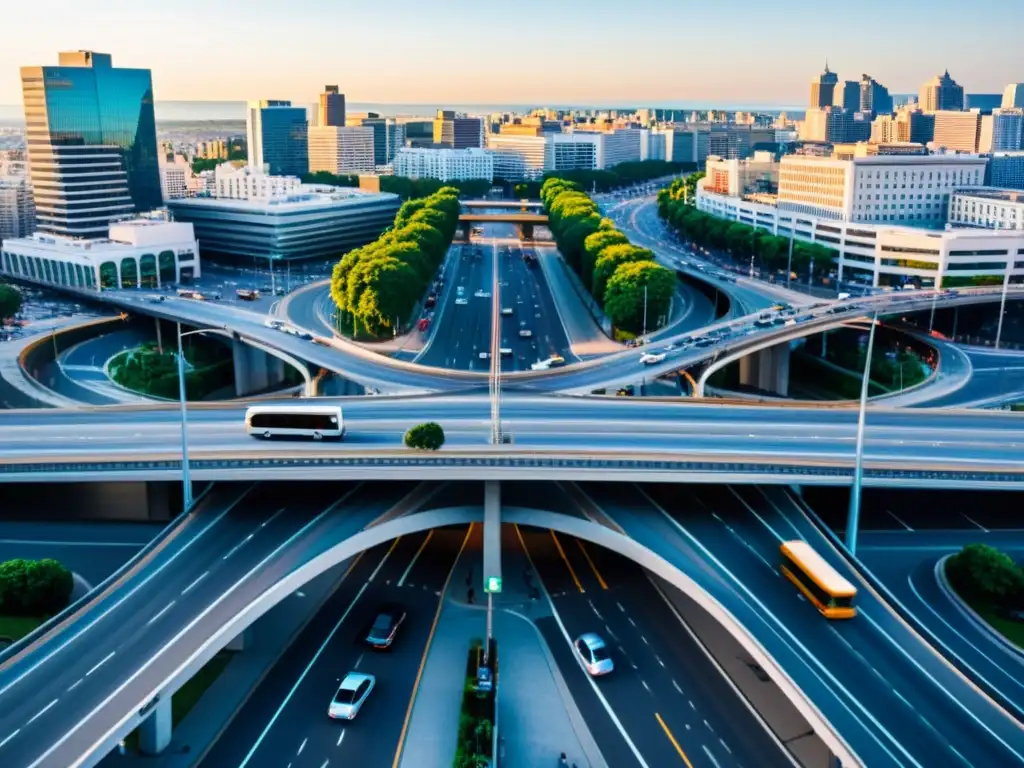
(476,717)
(186,697)
(16,627)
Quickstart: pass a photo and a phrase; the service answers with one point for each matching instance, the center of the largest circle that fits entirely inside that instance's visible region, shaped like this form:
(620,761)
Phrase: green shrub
(984,572)
(425,437)
(34,587)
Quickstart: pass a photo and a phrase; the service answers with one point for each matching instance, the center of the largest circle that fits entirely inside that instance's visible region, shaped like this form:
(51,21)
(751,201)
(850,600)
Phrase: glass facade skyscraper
(277,134)
(91,138)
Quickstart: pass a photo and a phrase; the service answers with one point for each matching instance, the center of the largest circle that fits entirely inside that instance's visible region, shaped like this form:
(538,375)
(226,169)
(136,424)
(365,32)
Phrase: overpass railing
(839,473)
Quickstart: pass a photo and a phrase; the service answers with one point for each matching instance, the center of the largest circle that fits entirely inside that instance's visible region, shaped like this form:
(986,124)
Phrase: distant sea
(235,110)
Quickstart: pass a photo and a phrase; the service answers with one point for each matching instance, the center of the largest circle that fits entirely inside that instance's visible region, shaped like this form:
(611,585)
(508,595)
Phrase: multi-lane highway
(783,442)
(664,704)
(893,699)
(77,691)
(285,719)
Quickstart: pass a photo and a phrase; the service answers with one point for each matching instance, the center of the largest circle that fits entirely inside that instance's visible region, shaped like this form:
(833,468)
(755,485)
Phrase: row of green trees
(476,718)
(34,587)
(405,188)
(676,205)
(616,272)
(983,573)
(378,286)
(621,175)
(10,301)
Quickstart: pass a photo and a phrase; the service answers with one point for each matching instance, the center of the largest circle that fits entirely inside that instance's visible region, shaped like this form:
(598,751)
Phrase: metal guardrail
(842,473)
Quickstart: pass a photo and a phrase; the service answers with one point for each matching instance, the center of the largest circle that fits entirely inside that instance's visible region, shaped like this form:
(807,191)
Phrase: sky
(558,52)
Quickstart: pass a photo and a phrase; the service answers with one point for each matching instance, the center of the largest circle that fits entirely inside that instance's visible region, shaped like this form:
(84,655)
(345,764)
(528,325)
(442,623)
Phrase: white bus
(315,421)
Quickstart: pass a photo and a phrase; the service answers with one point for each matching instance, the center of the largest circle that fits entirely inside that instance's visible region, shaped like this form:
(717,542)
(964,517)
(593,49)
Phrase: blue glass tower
(278,137)
(91,138)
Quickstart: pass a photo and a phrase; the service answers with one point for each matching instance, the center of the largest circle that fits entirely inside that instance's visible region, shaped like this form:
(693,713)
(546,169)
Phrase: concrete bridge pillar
(768,370)
(255,370)
(526,231)
(464,229)
(155,731)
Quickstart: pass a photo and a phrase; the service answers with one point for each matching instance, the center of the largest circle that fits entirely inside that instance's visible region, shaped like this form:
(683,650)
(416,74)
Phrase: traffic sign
(493,584)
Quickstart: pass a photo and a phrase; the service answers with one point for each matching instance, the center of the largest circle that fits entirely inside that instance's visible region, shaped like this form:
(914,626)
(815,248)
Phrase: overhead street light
(186,479)
(853,516)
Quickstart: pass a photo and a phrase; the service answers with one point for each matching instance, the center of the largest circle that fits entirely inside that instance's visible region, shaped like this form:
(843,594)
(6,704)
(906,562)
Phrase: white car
(594,655)
(554,361)
(649,358)
(525,333)
(483,294)
(484,355)
(462,301)
(506,352)
(506,311)
(351,695)
(273,324)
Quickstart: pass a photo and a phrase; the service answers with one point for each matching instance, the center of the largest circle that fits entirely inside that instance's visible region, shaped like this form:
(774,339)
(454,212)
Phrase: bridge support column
(464,229)
(492,549)
(155,731)
(255,370)
(526,231)
(768,370)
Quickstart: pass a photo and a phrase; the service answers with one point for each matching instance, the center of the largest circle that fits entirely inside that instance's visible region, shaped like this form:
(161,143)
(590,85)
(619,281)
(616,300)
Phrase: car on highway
(385,626)
(460,290)
(423,324)
(483,294)
(462,301)
(275,325)
(484,355)
(650,358)
(555,361)
(506,352)
(506,311)
(351,695)
(594,654)
(525,333)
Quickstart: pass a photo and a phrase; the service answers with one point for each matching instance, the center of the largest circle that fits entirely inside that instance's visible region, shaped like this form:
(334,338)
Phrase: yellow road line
(426,652)
(593,567)
(675,743)
(575,578)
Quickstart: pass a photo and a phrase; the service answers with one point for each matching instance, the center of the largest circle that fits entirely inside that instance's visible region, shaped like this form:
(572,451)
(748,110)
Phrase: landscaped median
(991,586)
(479,711)
(30,592)
(151,371)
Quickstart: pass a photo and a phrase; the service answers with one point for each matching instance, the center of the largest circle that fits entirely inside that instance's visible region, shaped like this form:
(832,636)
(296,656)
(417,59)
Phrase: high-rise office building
(847,95)
(17,214)
(91,138)
(834,125)
(823,88)
(458,131)
(1002,131)
(959,131)
(388,135)
(331,110)
(874,97)
(341,149)
(983,102)
(277,137)
(1013,96)
(941,93)
(1005,169)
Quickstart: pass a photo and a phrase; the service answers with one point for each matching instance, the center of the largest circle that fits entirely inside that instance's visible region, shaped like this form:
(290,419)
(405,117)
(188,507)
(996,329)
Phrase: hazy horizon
(466,52)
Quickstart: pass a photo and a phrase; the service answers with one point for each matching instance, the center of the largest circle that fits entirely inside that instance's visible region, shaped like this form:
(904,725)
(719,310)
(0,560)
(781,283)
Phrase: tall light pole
(644,334)
(186,478)
(495,377)
(789,259)
(1002,301)
(853,516)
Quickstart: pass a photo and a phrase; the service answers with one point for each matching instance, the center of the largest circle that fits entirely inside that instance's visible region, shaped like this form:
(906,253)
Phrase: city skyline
(443,57)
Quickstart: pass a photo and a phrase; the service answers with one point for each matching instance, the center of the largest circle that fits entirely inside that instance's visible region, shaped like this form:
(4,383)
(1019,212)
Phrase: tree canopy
(377,287)
(624,296)
(34,587)
(10,301)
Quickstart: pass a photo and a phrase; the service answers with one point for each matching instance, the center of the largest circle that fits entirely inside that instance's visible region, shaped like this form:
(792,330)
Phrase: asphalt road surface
(663,696)
(285,721)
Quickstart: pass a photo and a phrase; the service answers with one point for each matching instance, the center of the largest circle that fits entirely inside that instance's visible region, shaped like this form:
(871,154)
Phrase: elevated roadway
(552,438)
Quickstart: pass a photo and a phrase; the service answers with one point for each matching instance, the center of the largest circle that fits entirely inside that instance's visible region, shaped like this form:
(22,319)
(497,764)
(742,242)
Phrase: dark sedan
(385,626)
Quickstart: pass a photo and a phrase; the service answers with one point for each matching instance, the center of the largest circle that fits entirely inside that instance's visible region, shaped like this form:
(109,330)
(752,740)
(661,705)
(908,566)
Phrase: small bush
(34,587)
(984,572)
(425,437)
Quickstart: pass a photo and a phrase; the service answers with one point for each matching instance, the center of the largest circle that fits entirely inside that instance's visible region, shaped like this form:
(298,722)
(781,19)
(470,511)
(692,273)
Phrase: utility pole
(1002,301)
(495,378)
(644,336)
(789,260)
(853,516)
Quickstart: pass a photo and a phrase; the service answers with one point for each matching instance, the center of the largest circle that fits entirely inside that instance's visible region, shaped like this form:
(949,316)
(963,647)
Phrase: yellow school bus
(820,583)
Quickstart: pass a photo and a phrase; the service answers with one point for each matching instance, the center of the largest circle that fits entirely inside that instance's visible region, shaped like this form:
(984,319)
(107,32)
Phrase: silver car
(353,691)
(594,654)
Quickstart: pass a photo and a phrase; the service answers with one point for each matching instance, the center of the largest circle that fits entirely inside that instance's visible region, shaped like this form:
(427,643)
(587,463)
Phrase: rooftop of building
(993,193)
(897,159)
(126,235)
(308,196)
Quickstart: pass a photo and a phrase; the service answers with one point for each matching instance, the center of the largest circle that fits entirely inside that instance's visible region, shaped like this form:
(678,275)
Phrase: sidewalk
(265,642)
(537,717)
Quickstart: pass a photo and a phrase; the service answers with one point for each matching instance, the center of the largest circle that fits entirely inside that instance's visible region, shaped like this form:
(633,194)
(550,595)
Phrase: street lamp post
(789,260)
(186,479)
(853,516)
(644,335)
(1002,302)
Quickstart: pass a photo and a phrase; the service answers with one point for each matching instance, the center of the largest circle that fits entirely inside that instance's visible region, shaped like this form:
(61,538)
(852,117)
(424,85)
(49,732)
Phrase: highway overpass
(552,437)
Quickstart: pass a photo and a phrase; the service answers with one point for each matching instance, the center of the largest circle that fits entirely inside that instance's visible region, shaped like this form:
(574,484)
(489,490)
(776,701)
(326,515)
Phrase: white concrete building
(988,208)
(622,145)
(174,177)
(571,152)
(138,253)
(247,183)
(912,190)
(736,178)
(445,164)
(883,254)
(341,150)
(17,212)
(518,157)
